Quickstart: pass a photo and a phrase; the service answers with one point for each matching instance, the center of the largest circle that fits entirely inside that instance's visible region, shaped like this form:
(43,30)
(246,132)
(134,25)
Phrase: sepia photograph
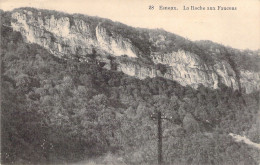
(130,82)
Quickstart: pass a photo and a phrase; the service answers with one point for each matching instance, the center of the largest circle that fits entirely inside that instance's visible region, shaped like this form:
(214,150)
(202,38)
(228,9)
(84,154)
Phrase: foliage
(147,41)
(62,111)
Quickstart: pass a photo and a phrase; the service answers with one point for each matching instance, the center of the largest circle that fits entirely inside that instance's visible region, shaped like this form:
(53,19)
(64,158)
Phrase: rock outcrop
(61,37)
(67,36)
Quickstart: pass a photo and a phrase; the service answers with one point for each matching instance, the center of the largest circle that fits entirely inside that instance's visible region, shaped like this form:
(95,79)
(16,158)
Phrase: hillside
(189,63)
(57,108)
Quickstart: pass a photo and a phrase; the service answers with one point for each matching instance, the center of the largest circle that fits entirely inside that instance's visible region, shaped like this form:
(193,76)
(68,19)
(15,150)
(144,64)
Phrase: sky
(236,28)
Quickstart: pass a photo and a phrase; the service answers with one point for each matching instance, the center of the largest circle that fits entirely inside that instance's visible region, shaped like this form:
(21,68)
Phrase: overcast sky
(238,29)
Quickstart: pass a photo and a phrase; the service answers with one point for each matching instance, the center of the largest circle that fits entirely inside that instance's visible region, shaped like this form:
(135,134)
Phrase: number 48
(151,7)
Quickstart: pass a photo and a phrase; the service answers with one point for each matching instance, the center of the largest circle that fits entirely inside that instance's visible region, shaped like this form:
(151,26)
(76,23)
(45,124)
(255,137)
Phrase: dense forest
(63,111)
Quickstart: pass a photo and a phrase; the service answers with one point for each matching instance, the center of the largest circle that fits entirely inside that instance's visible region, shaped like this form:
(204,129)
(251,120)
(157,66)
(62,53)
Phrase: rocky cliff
(62,38)
(70,35)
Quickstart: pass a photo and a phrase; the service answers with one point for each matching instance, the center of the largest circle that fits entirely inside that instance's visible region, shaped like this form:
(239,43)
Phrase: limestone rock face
(67,37)
(61,37)
(187,69)
(250,81)
(116,46)
(137,70)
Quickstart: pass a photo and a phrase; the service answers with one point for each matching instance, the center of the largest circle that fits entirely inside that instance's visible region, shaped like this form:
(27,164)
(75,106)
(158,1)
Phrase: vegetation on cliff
(147,41)
(56,111)
(61,111)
